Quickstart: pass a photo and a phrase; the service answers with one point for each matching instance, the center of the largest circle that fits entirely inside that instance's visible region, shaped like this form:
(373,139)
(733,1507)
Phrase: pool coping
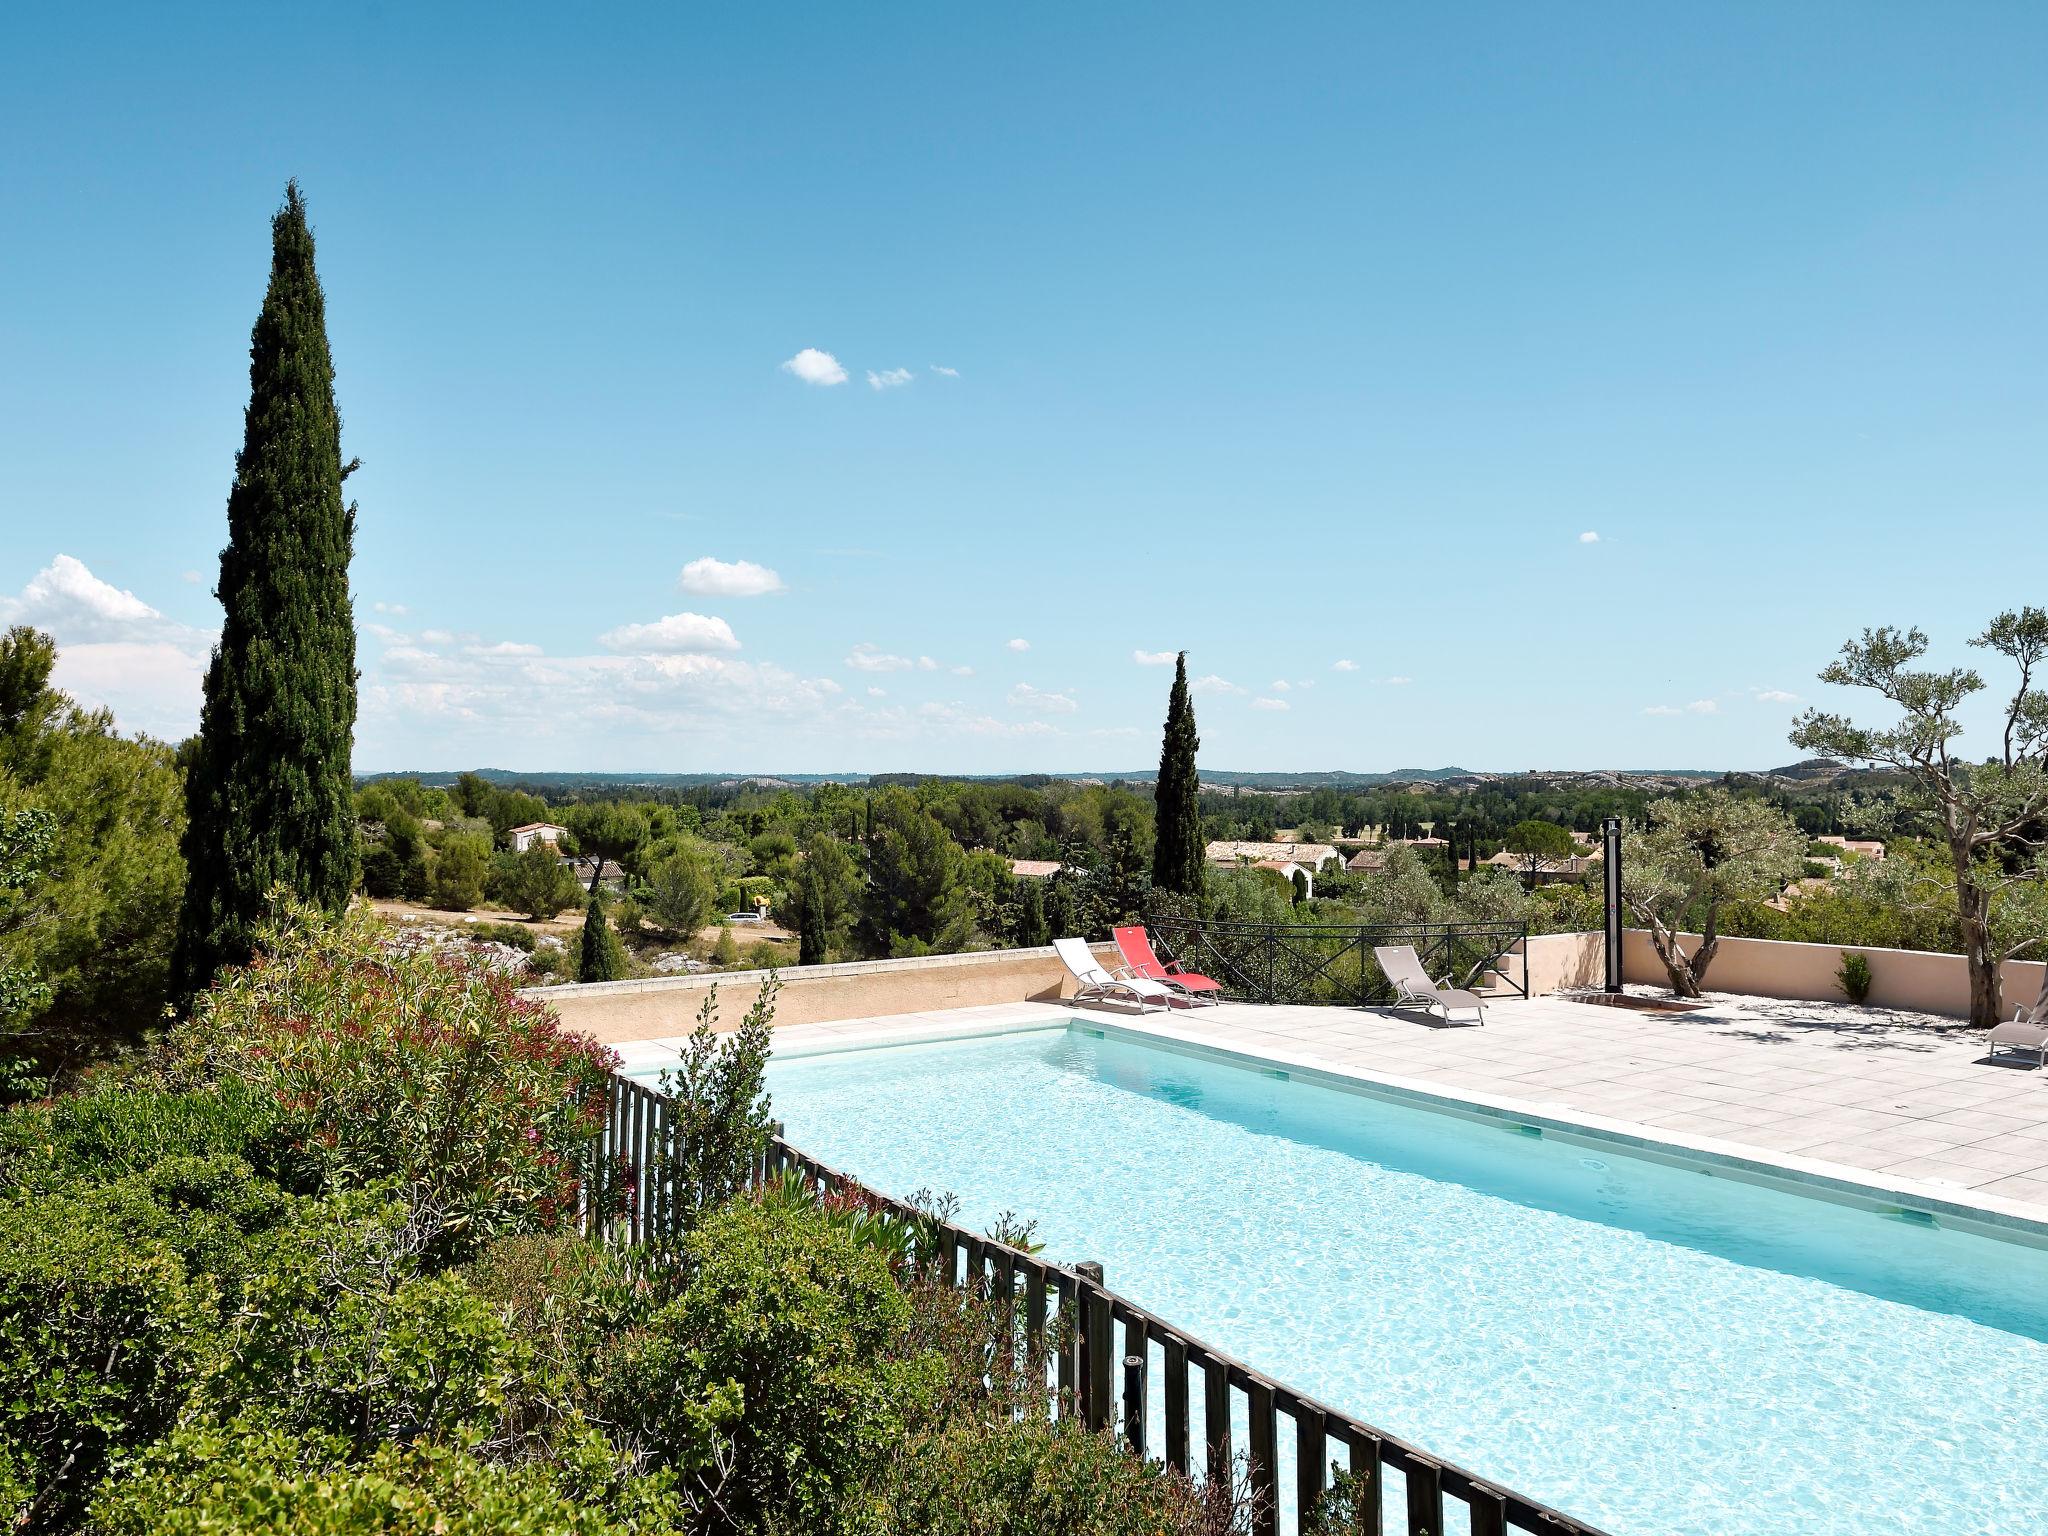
(1842,1183)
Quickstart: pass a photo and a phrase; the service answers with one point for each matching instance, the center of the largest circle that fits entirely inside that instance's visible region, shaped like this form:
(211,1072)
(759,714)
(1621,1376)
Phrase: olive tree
(1698,853)
(1986,813)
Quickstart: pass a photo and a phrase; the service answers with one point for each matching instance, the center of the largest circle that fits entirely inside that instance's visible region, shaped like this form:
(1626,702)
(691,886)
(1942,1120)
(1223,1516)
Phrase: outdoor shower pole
(1611,860)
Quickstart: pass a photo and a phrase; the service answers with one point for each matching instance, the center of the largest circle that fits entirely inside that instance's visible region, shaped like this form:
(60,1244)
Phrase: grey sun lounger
(1403,968)
(2026,1030)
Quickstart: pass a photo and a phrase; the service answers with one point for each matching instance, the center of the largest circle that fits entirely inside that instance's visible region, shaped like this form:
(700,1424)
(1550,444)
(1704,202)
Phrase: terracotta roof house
(1312,856)
(1865,847)
(533,832)
(1035,869)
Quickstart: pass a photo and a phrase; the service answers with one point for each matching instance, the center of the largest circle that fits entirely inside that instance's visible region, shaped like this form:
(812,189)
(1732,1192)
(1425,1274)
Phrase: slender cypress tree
(1177,863)
(268,790)
(598,954)
(811,941)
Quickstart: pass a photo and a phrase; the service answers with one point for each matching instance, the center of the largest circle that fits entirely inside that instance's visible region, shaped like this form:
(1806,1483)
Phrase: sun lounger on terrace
(2027,1030)
(1135,945)
(1093,983)
(1403,968)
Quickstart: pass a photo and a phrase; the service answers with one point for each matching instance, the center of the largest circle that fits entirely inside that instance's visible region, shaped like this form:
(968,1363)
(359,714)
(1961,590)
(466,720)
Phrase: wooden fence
(1165,1393)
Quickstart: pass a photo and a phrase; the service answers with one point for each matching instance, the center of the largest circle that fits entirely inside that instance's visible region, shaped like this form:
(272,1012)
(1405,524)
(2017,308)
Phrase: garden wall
(1900,978)
(659,1007)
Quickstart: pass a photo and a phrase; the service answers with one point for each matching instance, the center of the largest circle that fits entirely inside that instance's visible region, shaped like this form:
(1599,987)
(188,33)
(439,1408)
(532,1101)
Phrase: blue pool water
(1647,1347)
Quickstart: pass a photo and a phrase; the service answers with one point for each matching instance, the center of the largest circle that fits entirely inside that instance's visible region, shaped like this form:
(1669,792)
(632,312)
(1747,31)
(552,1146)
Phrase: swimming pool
(1641,1345)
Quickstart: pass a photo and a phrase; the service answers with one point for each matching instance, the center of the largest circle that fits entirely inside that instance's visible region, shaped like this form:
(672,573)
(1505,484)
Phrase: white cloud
(1662,709)
(675,634)
(114,649)
(1153,658)
(1343,666)
(869,658)
(1776,696)
(192,577)
(1269,704)
(1024,696)
(1211,683)
(1589,537)
(878,693)
(1703,707)
(1397,682)
(707,577)
(504,648)
(889,378)
(1281,685)
(396,610)
(926,664)
(815,367)
(963,671)
(956,718)
(1017,645)
(437,637)
(944,372)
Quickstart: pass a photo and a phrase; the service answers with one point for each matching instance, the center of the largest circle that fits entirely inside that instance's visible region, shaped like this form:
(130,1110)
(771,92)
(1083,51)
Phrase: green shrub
(425,1069)
(1853,977)
(102,1333)
(115,1127)
(1026,1477)
(245,1479)
(789,1318)
(516,935)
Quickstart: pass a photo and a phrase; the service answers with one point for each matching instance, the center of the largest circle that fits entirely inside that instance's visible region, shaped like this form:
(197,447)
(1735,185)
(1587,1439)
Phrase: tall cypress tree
(1177,863)
(599,956)
(811,940)
(268,787)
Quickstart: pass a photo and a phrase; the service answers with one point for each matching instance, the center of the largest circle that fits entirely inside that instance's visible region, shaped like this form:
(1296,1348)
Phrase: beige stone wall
(1560,962)
(659,1007)
(1900,978)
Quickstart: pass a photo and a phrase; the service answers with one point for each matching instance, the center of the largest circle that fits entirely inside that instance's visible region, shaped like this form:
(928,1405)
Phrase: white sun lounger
(2026,1030)
(1093,983)
(1412,984)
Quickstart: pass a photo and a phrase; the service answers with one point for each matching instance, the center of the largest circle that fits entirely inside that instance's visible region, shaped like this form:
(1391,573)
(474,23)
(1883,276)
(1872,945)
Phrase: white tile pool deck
(1889,1100)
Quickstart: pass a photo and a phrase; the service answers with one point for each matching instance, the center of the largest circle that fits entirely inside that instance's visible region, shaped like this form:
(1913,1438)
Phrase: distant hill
(1812,771)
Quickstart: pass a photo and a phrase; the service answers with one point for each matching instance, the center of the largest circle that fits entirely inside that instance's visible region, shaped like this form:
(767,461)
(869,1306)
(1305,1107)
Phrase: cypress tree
(598,955)
(811,946)
(1177,862)
(268,791)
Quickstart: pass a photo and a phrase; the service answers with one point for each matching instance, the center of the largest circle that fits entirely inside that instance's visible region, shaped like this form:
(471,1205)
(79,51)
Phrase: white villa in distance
(1298,863)
(533,832)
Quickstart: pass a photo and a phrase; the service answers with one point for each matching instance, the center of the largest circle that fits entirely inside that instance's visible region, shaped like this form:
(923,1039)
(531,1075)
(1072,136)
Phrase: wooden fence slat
(1101,1343)
(1489,1511)
(1070,1346)
(1215,1417)
(1308,1459)
(1425,1497)
(1176,1404)
(1265,1457)
(1366,1477)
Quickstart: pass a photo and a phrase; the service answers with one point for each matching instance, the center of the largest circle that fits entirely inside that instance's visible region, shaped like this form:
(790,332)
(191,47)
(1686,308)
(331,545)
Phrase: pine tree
(598,955)
(268,793)
(811,948)
(1177,862)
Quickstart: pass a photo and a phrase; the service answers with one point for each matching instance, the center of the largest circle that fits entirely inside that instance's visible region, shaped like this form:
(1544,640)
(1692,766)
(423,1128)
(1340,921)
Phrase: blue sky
(1315,340)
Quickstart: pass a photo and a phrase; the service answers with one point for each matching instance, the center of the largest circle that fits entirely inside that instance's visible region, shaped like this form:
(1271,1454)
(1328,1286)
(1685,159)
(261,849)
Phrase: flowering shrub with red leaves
(420,1069)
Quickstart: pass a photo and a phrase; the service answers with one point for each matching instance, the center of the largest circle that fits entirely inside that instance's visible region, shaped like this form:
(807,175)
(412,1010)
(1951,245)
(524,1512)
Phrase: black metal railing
(1333,963)
(1104,1358)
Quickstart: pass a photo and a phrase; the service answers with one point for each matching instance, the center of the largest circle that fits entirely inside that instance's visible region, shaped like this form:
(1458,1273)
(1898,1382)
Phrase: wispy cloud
(1589,537)
(1269,704)
(1776,696)
(396,610)
(675,634)
(708,577)
(507,648)
(815,367)
(1703,707)
(944,372)
(1024,696)
(1662,709)
(1397,682)
(1017,645)
(872,658)
(1280,685)
(1153,658)
(889,378)
(1209,682)
(1344,666)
